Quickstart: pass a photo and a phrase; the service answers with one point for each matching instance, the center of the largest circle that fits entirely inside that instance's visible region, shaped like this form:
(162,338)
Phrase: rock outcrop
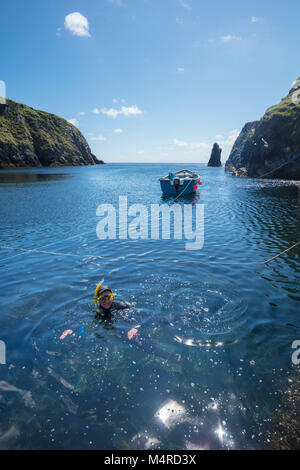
(270,148)
(215,158)
(31,138)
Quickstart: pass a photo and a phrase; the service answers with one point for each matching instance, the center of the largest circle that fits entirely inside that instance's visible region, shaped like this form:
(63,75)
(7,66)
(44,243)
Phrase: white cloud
(115,100)
(118,131)
(111,112)
(99,138)
(130,110)
(232,136)
(229,37)
(199,146)
(180,69)
(202,149)
(185,5)
(96,111)
(180,143)
(125,111)
(73,121)
(77,24)
(179,20)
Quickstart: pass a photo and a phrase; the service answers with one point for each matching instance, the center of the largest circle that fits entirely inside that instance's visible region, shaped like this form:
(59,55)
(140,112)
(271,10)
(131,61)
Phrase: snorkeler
(105,313)
(108,305)
(106,309)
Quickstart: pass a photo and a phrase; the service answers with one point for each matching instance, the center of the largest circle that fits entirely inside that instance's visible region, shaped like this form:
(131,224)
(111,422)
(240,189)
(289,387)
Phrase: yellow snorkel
(97,290)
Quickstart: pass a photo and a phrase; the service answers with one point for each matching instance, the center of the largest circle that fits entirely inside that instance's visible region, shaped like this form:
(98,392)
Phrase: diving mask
(107,297)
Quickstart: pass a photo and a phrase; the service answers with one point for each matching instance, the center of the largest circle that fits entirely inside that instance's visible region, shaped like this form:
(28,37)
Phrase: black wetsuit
(106,314)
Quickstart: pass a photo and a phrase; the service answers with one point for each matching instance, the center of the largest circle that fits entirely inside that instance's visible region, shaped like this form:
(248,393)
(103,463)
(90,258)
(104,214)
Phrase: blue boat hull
(186,188)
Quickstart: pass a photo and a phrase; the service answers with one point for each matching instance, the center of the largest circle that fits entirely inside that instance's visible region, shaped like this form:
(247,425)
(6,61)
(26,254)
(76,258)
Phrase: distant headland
(31,138)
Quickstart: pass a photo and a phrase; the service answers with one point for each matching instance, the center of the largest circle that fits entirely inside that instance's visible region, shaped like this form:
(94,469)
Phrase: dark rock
(268,148)
(215,158)
(31,138)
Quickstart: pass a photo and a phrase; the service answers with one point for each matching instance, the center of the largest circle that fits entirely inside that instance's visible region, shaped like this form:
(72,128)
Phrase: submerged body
(106,313)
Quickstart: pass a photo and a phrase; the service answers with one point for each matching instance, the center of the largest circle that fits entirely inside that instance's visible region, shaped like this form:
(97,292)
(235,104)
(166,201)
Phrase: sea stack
(31,138)
(215,158)
(270,147)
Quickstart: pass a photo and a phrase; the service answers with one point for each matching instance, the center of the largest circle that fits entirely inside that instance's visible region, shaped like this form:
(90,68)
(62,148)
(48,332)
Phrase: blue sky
(157,80)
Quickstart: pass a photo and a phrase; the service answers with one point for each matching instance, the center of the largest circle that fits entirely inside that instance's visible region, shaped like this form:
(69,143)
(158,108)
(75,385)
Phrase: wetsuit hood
(103,289)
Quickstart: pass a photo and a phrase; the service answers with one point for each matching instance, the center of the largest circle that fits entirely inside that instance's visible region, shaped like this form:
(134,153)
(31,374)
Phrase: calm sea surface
(211,365)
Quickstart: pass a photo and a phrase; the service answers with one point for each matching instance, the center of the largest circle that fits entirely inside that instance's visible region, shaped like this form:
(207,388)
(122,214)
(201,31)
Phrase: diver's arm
(121,305)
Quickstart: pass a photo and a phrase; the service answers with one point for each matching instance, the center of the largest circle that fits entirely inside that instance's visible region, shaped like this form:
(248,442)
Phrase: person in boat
(108,306)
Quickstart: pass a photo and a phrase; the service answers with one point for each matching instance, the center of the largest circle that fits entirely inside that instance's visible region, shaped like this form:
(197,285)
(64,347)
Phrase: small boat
(181,182)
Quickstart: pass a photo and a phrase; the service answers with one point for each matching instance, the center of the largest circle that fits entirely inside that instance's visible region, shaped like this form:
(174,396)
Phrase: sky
(151,80)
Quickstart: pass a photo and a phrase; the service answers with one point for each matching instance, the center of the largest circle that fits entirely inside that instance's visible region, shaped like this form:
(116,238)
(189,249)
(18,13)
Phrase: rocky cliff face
(215,158)
(31,138)
(269,147)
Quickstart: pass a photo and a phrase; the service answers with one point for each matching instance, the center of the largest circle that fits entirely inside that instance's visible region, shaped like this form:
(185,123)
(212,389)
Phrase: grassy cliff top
(18,122)
(289,106)
(30,137)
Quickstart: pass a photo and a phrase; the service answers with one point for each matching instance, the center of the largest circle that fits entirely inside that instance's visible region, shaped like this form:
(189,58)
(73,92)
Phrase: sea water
(211,366)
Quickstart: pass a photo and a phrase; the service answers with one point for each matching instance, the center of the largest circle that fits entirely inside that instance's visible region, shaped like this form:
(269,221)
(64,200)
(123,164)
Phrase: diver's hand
(132,332)
(66,333)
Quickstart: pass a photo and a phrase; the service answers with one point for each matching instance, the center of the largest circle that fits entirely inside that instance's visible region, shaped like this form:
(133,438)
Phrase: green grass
(251,133)
(286,109)
(49,129)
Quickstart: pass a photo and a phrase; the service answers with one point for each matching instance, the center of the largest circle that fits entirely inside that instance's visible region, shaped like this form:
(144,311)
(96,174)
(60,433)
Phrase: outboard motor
(176,184)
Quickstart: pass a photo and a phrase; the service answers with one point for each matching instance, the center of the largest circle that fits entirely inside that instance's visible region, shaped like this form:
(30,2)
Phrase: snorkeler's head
(105,297)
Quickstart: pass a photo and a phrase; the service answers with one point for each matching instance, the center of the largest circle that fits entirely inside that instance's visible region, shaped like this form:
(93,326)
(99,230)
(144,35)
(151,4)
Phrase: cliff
(31,138)
(215,157)
(269,147)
